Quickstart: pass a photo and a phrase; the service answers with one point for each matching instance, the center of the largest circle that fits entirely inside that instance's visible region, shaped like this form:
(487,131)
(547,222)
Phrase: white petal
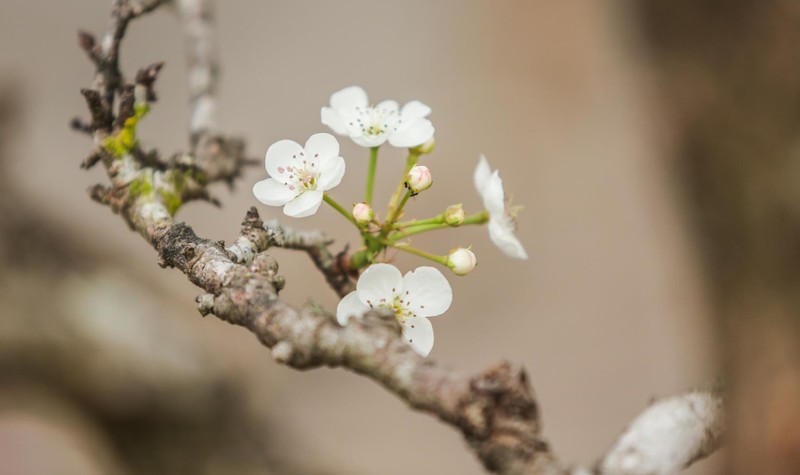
(482,174)
(379,284)
(368,140)
(322,146)
(426,292)
(502,235)
(418,332)
(417,132)
(350,306)
(331,171)
(333,119)
(493,195)
(388,106)
(415,109)
(273,193)
(306,204)
(280,155)
(349,98)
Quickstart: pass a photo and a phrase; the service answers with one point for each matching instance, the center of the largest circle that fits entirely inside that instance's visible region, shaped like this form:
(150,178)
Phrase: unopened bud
(425,148)
(419,179)
(362,212)
(454,215)
(461,261)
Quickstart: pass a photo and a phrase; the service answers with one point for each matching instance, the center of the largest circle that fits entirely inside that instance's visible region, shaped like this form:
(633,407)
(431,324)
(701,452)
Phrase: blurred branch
(495,410)
(668,436)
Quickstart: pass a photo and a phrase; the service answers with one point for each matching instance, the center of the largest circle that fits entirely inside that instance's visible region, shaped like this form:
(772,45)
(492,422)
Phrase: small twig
(197,17)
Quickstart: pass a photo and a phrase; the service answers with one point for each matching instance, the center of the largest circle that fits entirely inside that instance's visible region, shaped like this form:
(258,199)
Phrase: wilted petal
(426,292)
(418,333)
(350,306)
(349,98)
(273,193)
(482,174)
(494,196)
(501,232)
(379,284)
(304,205)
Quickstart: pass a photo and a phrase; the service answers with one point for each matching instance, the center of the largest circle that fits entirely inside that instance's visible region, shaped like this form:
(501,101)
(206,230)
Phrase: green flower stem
(326,197)
(420,222)
(373,165)
(411,160)
(419,252)
(416,228)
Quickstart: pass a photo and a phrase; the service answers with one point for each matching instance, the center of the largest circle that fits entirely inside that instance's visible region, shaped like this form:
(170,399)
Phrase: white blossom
(299,176)
(351,114)
(502,222)
(413,298)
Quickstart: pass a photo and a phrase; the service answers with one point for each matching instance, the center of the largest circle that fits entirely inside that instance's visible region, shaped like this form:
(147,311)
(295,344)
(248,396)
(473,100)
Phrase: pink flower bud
(461,261)
(419,179)
(362,212)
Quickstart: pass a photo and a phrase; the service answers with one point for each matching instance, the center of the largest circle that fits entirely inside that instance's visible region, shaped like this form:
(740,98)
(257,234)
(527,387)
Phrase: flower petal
(350,306)
(417,132)
(349,98)
(379,284)
(388,106)
(322,146)
(273,193)
(331,171)
(426,292)
(306,204)
(333,119)
(368,140)
(493,195)
(280,155)
(418,333)
(501,232)
(414,110)
(482,174)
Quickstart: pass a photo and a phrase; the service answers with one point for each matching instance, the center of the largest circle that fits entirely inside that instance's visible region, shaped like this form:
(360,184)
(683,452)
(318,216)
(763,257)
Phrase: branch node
(282,352)
(205,303)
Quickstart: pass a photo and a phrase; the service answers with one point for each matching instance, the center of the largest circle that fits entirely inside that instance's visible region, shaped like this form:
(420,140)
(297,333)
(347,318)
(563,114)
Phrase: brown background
(607,313)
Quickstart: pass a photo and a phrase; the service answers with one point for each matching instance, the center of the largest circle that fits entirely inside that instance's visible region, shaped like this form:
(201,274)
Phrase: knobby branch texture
(495,410)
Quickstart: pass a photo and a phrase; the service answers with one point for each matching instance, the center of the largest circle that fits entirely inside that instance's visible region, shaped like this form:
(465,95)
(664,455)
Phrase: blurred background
(105,364)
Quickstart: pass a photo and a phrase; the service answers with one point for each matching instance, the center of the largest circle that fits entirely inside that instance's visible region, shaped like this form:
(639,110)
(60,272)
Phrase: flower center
(376,120)
(304,177)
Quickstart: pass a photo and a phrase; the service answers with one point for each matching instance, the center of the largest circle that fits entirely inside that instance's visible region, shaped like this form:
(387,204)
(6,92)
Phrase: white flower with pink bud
(419,179)
(299,176)
(412,299)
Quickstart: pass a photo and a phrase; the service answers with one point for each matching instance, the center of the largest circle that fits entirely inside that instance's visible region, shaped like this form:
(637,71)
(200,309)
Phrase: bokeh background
(105,365)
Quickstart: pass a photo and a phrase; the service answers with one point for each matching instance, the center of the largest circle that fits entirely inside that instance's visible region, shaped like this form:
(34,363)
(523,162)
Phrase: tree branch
(668,436)
(495,410)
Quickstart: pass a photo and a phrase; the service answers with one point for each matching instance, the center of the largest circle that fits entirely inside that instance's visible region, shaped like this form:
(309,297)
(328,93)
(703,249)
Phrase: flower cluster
(300,178)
